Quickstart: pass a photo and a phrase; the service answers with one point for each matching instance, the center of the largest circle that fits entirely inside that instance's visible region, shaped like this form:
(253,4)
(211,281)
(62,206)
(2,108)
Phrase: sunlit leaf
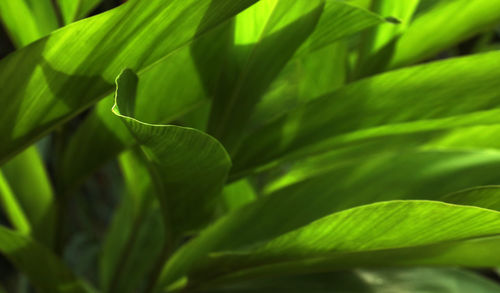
(55,78)
(73,10)
(350,238)
(28,20)
(445,24)
(443,95)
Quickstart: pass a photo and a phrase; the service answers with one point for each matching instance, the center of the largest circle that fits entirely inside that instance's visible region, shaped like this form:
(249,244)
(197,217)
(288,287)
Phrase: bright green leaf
(12,208)
(444,25)
(57,77)
(28,20)
(268,35)
(358,232)
(161,98)
(377,45)
(443,95)
(73,10)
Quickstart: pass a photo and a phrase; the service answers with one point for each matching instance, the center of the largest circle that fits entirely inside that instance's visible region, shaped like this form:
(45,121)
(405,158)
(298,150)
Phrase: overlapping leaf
(28,20)
(188,167)
(443,95)
(167,91)
(350,238)
(442,26)
(377,45)
(267,37)
(73,10)
(57,77)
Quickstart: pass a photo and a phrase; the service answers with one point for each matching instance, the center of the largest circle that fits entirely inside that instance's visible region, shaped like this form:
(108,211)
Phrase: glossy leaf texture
(458,92)
(162,97)
(404,232)
(188,167)
(52,80)
(415,280)
(45,271)
(346,179)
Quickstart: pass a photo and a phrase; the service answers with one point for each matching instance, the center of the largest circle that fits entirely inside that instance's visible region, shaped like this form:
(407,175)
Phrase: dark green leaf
(44,270)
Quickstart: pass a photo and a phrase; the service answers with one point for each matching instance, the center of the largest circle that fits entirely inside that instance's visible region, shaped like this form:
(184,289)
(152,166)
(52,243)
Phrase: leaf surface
(348,238)
(73,10)
(458,92)
(188,167)
(178,84)
(456,20)
(28,20)
(54,79)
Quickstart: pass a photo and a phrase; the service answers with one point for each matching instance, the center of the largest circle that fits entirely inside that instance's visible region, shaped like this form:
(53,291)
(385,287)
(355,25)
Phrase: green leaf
(458,92)
(101,137)
(487,197)
(415,280)
(266,37)
(188,167)
(238,194)
(349,238)
(29,182)
(52,80)
(348,181)
(135,238)
(12,208)
(447,23)
(377,45)
(335,177)
(45,271)
(339,20)
(28,20)
(300,82)
(73,10)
